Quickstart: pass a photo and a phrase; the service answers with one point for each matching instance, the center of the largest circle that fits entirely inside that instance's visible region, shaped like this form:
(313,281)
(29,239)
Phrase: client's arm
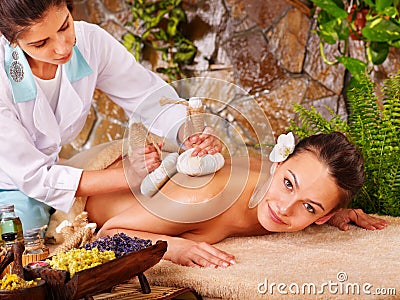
(182,251)
(342,219)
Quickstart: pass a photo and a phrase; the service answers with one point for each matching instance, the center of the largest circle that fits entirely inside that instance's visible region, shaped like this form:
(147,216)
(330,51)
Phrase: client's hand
(342,219)
(144,160)
(198,254)
(204,143)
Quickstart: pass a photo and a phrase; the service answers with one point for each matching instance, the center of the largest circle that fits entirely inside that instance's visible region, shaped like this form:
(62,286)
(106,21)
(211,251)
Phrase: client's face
(301,193)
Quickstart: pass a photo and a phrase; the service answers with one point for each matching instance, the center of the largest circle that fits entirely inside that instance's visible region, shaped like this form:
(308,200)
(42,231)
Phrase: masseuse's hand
(143,161)
(204,143)
(342,219)
(198,254)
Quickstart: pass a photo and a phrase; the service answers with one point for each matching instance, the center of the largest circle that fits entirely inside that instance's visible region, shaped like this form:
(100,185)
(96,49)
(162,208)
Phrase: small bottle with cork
(10,226)
(34,243)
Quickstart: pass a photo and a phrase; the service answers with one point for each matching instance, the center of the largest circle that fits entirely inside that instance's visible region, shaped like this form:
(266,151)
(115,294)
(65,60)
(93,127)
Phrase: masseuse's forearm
(102,182)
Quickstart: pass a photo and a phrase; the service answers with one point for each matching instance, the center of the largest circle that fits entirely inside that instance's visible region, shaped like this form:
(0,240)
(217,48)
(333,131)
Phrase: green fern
(313,122)
(373,125)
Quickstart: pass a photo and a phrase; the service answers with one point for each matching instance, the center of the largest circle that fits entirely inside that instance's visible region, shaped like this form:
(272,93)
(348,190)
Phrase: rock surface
(265,47)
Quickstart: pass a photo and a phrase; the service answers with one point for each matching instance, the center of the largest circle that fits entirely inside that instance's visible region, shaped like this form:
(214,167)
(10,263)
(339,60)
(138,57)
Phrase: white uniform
(31,134)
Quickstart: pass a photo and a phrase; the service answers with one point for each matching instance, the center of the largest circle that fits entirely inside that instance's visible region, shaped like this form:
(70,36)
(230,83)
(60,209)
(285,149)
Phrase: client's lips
(274,216)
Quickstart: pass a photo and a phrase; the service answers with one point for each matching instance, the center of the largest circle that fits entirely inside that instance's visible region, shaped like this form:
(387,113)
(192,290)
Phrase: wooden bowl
(37,292)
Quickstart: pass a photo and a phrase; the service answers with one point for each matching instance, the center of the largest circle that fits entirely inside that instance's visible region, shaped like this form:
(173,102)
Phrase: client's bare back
(235,181)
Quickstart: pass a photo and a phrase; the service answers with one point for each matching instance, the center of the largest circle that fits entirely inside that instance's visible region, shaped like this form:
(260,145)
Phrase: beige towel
(316,255)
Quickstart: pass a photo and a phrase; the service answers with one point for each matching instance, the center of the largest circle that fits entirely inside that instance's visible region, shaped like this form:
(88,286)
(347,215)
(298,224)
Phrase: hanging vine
(157,25)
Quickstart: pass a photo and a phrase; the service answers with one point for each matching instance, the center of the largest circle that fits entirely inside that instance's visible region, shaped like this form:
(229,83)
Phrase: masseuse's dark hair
(17,15)
(343,159)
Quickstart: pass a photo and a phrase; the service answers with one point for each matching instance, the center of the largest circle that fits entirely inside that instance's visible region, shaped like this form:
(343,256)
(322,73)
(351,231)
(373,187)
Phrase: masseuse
(49,69)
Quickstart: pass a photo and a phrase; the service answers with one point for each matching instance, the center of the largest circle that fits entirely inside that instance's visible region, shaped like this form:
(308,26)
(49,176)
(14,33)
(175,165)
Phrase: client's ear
(325,218)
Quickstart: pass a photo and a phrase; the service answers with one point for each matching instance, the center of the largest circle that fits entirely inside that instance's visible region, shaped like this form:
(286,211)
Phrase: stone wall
(264,46)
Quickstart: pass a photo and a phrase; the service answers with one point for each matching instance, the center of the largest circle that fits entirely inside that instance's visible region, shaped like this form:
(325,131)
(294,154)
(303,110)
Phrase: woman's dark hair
(17,15)
(343,159)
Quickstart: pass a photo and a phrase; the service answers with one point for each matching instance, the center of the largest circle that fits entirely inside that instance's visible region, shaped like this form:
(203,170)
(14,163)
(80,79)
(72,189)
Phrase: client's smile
(274,216)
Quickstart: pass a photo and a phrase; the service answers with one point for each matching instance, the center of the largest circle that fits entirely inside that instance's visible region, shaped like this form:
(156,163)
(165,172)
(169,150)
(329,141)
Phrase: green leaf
(156,20)
(331,7)
(150,9)
(391,12)
(355,66)
(136,13)
(328,32)
(176,2)
(394,43)
(370,3)
(181,57)
(128,38)
(381,5)
(172,26)
(146,34)
(377,52)
(343,30)
(332,29)
(164,54)
(381,30)
(323,17)
(178,13)
(161,35)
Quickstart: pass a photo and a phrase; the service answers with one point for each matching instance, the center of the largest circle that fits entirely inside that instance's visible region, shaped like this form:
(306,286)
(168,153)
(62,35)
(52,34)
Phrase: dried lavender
(120,243)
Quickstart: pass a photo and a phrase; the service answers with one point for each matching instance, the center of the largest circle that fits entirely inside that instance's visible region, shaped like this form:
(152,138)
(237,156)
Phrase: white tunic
(31,134)
(51,88)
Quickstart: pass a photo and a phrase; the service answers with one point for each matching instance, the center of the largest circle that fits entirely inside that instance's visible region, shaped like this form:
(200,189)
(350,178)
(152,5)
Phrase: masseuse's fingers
(144,160)
(204,143)
(151,158)
(210,144)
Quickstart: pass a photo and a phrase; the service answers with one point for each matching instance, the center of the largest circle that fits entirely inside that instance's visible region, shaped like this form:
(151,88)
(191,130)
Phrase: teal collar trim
(77,67)
(21,78)
(19,74)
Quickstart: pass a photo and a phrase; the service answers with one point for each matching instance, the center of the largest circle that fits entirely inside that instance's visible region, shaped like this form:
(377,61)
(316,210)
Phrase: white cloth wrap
(156,179)
(198,166)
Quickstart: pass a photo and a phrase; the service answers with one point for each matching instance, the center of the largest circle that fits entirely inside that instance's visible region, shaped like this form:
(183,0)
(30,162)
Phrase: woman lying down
(312,186)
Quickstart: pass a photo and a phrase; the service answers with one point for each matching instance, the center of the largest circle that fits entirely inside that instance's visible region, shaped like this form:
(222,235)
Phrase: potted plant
(374,22)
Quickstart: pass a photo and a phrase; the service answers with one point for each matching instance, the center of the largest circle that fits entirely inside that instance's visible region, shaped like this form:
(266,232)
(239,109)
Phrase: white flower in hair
(283,148)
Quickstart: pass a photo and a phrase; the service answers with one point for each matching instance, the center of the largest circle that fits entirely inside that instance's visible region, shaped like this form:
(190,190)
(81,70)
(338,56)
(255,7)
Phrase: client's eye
(288,184)
(309,208)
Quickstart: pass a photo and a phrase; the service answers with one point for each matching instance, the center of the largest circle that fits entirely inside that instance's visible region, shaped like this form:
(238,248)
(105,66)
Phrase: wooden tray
(100,278)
